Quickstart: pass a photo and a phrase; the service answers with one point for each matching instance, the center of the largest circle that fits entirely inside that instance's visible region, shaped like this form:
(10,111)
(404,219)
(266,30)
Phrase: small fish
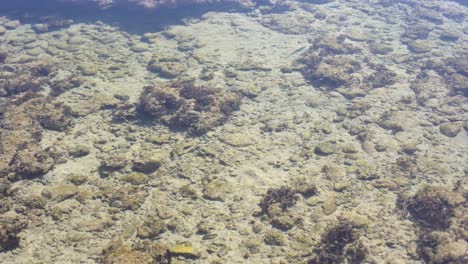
(296,51)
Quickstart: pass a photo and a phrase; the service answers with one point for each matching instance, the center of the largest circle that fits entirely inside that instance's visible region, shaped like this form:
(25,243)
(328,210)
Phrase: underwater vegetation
(440,214)
(340,244)
(332,64)
(277,201)
(183,105)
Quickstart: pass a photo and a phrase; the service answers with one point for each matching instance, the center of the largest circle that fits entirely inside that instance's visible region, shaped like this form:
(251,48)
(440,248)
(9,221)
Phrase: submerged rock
(419,46)
(450,129)
(326,148)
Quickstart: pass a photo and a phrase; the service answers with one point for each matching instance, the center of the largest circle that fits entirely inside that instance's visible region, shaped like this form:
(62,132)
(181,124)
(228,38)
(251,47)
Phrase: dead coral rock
(78,151)
(54,117)
(9,230)
(433,207)
(185,106)
(380,48)
(305,187)
(288,22)
(396,121)
(331,63)
(429,15)
(419,46)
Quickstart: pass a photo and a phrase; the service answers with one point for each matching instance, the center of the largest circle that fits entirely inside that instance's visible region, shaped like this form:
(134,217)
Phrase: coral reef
(186,106)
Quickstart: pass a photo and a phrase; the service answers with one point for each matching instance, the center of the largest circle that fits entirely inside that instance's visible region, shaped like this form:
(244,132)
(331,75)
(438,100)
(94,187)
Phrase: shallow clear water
(289,132)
